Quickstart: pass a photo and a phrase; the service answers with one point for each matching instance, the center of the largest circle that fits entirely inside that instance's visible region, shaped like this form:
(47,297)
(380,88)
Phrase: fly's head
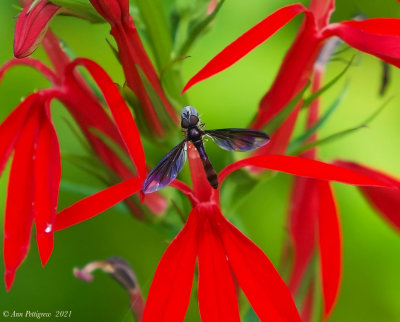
(189,117)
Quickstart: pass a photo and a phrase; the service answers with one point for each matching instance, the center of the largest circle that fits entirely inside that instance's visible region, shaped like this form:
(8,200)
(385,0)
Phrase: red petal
(385,201)
(322,11)
(217,295)
(97,203)
(281,137)
(34,63)
(303,218)
(48,171)
(19,206)
(31,27)
(246,43)
(11,128)
(293,74)
(305,168)
(259,280)
(120,111)
(170,290)
(330,247)
(201,187)
(379,37)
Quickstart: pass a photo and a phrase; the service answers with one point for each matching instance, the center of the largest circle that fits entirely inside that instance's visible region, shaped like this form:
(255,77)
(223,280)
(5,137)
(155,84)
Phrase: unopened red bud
(31,27)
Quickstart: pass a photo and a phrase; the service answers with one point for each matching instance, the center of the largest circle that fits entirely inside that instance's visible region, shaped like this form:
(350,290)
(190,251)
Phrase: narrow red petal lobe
(19,205)
(379,37)
(246,43)
(170,290)
(330,247)
(31,27)
(303,219)
(95,204)
(385,201)
(305,168)
(217,295)
(48,173)
(120,112)
(201,187)
(11,128)
(258,278)
(34,63)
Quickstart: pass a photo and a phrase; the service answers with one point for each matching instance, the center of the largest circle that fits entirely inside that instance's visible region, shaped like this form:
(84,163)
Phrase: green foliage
(79,8)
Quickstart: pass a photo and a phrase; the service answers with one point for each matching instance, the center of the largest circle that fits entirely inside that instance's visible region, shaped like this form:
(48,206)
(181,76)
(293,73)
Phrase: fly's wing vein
(166,170)
(242,140)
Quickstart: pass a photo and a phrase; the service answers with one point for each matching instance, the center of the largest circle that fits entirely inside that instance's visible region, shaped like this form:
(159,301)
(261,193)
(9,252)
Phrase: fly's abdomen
(208,168)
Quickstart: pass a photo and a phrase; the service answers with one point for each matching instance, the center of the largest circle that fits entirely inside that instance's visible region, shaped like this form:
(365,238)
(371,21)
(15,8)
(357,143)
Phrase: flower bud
(31,27)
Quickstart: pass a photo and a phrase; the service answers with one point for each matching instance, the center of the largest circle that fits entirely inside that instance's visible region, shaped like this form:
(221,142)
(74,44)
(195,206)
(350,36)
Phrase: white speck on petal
(49,228)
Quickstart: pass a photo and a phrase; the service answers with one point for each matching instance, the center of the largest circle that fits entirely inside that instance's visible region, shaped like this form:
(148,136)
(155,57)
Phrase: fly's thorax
(194,134)
(189,117)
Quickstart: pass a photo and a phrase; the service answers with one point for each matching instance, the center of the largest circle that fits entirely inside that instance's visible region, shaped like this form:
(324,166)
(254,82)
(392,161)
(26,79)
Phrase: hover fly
(228,139)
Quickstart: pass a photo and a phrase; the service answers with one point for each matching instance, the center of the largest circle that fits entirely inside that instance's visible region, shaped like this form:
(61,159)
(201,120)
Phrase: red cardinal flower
(378,37)
(136,63)
(141,76)
(36,169)
(224,254)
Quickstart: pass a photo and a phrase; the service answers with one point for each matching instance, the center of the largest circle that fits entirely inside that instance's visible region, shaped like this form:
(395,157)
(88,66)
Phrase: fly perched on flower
(167,169)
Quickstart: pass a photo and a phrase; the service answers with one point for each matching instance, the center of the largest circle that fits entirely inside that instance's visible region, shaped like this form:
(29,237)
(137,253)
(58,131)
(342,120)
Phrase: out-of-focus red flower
(32,25)
(135,61)
(378,37)
(36,169)
(313,215)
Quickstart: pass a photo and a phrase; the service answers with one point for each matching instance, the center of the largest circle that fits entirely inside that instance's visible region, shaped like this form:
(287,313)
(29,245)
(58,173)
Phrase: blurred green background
(371,281)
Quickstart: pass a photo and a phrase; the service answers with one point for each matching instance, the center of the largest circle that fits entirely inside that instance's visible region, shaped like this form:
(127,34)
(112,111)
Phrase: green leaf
(196,28)
(81,9)
(159,36)
(343,133)
(89,164)
(115,148)
(296,143)
(158,105)
(276,122)
(137,108)
(79,135)
(33,4)
(114,50)
(314,96)
(157,29)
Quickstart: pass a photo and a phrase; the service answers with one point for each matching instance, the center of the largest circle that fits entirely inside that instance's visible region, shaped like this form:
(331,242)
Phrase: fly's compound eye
(184,123)
(193,120)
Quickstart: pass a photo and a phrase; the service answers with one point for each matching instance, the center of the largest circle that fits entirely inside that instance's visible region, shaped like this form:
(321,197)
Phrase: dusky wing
(166,170)
(242,140)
